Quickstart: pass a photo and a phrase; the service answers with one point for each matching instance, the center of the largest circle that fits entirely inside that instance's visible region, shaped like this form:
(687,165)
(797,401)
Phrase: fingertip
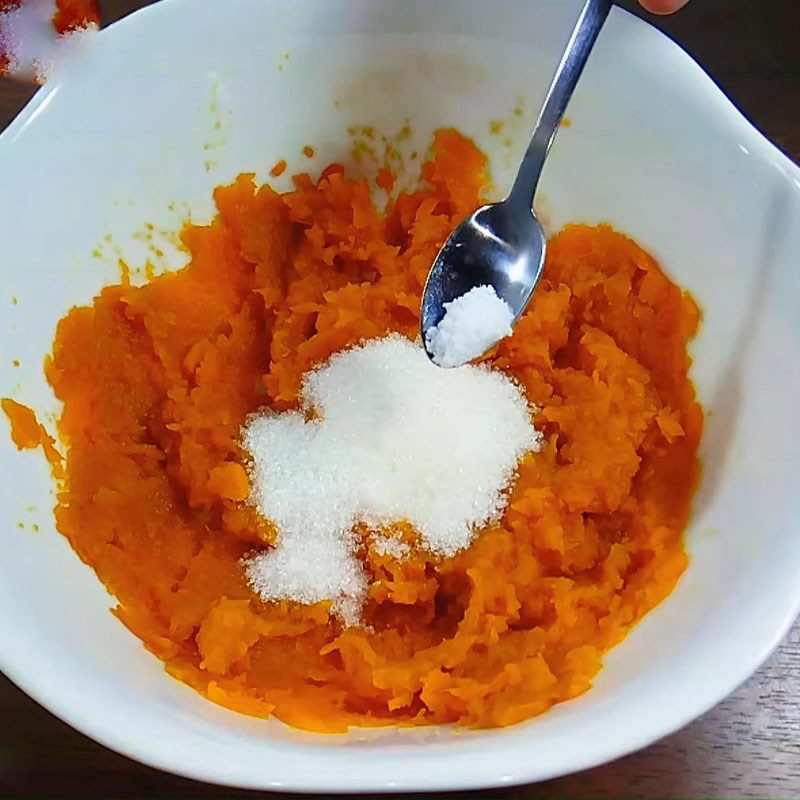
(663,6)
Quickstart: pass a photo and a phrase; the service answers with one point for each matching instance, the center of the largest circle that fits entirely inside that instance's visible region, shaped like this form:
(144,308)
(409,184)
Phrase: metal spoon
(502,245)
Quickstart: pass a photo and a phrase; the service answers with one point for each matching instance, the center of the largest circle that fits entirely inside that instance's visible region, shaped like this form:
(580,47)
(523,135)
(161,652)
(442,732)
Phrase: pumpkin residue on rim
(157,381)
(28,433)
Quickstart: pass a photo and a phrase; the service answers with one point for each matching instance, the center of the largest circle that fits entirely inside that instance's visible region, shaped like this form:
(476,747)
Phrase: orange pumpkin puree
(157,380)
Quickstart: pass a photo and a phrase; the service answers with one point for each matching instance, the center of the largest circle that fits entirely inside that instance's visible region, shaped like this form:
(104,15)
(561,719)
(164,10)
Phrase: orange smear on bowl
(278,169)
(28,433)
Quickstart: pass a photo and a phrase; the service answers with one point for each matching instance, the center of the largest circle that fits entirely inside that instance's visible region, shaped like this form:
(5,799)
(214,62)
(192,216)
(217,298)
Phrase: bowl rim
(489,774)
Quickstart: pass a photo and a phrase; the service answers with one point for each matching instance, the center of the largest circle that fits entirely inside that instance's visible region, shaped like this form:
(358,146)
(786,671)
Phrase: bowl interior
(122,140)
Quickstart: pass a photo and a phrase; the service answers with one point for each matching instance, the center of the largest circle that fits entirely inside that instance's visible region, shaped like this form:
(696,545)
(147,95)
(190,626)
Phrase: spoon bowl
(500,245)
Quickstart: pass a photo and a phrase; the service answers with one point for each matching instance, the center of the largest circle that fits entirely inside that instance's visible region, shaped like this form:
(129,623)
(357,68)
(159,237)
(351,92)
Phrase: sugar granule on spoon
(471,325)
(391,438)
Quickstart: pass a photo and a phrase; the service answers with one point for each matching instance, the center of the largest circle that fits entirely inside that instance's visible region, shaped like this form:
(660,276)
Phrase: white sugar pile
(471,325)
(384,436)
(390,546)
(31,44)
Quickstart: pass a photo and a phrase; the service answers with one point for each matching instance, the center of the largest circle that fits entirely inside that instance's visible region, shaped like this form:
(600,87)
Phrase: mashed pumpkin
(157,381)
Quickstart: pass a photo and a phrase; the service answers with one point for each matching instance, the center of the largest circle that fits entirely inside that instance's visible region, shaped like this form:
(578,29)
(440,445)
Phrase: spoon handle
(587,29)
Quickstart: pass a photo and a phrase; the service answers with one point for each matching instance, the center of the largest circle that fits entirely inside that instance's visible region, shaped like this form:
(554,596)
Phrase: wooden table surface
(749,746)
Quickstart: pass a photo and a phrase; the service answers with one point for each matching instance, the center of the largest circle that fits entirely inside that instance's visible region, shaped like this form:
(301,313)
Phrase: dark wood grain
(747,747)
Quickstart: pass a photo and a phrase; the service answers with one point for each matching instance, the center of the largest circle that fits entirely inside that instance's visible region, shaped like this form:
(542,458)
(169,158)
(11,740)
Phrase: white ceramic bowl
(654,147)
